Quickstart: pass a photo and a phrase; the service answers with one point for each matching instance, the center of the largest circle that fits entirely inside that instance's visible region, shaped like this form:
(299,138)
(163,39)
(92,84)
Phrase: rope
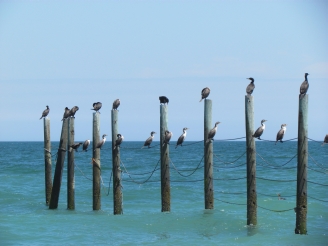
(292,180)
(277,211)
(316,170)
(275,141)
(230,139)
(229,178)
(230,162)
(110,180)
(187,181)
(320,142)
(319,165)
(191,172)
(274,195)
(230,167)
(230,202)
(273,165)
(193,143)
(82,172)
(317,183)
(317,199)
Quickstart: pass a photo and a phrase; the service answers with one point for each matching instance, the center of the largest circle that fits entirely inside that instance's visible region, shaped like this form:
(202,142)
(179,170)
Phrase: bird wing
(258,132)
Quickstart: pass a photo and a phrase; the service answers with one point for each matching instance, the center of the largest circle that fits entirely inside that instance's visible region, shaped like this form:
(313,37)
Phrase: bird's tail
(41,118)
(176,146)
(301,96)
(201,100)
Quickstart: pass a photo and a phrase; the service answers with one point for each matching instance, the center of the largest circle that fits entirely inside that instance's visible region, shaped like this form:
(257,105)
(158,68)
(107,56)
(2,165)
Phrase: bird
(96,106)
(281,133)
(116,104)
(182,137)
(258,133)
(75,146)
(118,141)
(101,143)
(163,99)
(86,145)
(304,86)
(325,140)
(205,92)
(73,111)
(250,88)
(45,112)
(66,113)
(149,140)
(280,197)
(167,137)
(212,132)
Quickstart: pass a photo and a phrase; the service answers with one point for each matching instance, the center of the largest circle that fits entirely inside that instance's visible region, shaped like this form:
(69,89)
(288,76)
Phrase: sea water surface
(26,220)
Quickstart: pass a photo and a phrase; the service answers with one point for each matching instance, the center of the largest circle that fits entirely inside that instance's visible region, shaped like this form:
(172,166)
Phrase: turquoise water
(25,220)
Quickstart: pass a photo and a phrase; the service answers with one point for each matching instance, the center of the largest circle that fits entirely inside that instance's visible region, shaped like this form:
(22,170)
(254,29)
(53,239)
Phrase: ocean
(26,220)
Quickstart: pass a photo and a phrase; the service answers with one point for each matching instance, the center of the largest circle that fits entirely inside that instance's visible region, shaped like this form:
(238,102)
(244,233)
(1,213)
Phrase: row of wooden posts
(67,139)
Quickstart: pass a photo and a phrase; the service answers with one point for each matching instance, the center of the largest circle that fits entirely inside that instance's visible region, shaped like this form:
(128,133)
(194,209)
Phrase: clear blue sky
(67,53)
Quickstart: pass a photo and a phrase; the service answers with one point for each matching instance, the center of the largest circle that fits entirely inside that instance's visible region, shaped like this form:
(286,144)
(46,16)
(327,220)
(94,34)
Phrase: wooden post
(59,166)
(208,156)
(302,162)
(70,166)
(251,162)
(96,195)
(47,159)
(116,161)
(165,161)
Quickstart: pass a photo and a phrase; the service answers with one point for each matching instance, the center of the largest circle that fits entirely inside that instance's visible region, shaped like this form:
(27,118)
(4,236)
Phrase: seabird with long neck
(45,112)
(75,146)
(149,140)
(182,137)
(250,88)
(205,92)
(258,133)
(212,132)
(163,100)
(281,133)
(304,86)
(96,106)
(119,140)
(325,140)
(101,143)
(116,104)
(167,137)
(86,145)
(66,113)
(73,111)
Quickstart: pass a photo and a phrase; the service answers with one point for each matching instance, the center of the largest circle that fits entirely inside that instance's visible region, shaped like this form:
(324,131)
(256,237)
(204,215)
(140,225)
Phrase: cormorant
(73,111)
(280,197)
(167,137)
(66,113)
(118,141)
(75,146)
(163,99)
(182,137)
(101,143)
(45,112)
(97,106)
(205,92)
(212,132)
(325,140)
(250,88)
(304,86)
(258,133)
(281,133)
(149,140)
(116,103)
(86,145)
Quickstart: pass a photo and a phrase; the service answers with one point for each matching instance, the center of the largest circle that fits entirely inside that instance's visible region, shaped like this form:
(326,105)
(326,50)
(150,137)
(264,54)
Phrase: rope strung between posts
(275,141)
(317,183)
(277,180)
(320,142)
(219,167)
(317,164)
(230,162)
(274,167)
(110,180)
(241,204)
(230,139)
(82,172)
(316,170)
(317,199)
(277,211)
(229,178)
(179,172)
(274,195)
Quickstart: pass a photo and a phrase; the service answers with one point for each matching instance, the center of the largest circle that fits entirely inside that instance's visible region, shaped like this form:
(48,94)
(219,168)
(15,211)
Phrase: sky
(75,53)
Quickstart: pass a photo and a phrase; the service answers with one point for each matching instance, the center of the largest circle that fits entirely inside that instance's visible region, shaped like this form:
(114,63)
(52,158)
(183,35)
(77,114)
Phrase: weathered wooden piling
(116,161)
(251,162)
(165,161)
(47,159)
(96,195)
(70,166)
(302,162)
(59,166)
(208,156)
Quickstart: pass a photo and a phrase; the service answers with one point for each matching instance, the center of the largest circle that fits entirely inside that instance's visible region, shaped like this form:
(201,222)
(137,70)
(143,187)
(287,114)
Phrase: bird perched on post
(205,92)
(325,140)
(73,111)
(101,143)
(45,112)
(258,133)
(281,133)
(182,137)
(96,106)
(116,103)
(163,99)
(75,146)
(212,132)
(118,141)
(149,140)
(250,88)
(86,145)
(167,137)
(66,113)
(304,86)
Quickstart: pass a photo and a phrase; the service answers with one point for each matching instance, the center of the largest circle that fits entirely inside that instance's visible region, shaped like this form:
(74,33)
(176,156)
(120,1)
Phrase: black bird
(101,143)
(304,86)
(86,145)
(149,140)
(45,112)
(167,137)
(205,92)
(97,106)
(212,132)
(250,88)
(163,99)
(258,133)
(182,137)
(281,133)
(75,146)
(118,141)
(116,104)
(73,111)
(325,140)
(66,113)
